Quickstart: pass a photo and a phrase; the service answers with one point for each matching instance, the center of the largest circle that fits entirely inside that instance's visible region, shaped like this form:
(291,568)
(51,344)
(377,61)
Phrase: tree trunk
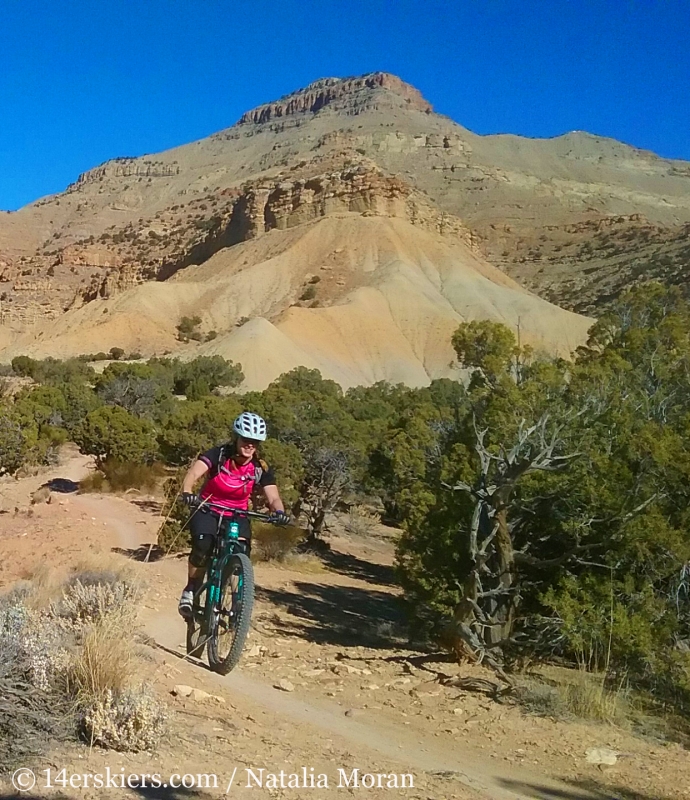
(504,611)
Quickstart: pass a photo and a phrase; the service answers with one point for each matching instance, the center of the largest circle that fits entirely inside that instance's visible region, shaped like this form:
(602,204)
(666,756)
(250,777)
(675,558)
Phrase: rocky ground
(327,681)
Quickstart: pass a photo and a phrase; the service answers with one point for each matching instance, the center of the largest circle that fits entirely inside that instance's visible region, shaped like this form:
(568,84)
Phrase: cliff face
(360,190)
(347,94)
(125,168)
(281,204)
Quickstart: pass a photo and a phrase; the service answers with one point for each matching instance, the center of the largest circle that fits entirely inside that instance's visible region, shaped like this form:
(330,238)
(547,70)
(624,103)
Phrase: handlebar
(234,512)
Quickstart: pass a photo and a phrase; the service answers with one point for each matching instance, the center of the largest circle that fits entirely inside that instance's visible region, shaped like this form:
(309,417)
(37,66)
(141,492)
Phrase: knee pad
(201,549)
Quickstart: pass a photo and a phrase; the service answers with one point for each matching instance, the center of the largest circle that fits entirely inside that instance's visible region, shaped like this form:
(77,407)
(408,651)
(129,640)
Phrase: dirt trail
(409,751)
(356,702)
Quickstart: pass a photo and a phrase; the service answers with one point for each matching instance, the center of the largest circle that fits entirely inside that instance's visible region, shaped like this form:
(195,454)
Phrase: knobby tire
(242,619)
(196,630)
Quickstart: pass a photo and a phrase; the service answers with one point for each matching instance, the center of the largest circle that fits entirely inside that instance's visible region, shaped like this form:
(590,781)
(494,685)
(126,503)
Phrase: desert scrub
(70,667)
(361,520)
(270,543)
(33,707)
(130,720)
(103,680)
(90,597)
(31,645)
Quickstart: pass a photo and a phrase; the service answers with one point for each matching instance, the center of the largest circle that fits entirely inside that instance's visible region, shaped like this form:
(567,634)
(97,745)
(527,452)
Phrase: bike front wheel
(196,630)
(232,618)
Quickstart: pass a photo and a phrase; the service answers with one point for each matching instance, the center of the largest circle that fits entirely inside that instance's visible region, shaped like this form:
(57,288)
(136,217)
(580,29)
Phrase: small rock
(181,690)
(350,712)
(199,694)
(399,682)
(601,755)
(41,495)
(284,685)
(255,651)
(458,712)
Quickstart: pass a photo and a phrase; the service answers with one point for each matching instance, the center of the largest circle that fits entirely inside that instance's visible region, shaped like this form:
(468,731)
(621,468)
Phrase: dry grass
(361,520)
(42,585)
(105,662)
(579,694)
(302,562)
(270,543)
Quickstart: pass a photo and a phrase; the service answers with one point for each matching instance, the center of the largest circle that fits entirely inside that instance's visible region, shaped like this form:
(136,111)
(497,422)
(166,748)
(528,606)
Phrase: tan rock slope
(385,298)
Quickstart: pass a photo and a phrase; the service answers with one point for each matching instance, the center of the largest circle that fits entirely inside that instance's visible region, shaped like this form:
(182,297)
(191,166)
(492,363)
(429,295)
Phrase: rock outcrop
(125,168)
(345,93)
(263,206)
(363,189)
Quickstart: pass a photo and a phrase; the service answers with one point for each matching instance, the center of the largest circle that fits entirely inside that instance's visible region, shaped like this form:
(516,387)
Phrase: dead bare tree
(328,477)
(484,618)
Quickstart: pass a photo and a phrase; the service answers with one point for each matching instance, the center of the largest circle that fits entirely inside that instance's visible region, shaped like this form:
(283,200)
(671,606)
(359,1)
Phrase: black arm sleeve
(268,477)
(211,457)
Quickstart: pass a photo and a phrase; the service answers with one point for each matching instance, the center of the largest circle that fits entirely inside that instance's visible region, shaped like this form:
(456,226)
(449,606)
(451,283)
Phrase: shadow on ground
(144,553)
(152,792)
(169,793)
(338,615)
(62,486)
(577,790)
(353,567)
(150,506)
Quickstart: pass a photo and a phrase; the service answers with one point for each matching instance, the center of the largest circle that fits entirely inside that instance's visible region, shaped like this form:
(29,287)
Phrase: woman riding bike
(232,472)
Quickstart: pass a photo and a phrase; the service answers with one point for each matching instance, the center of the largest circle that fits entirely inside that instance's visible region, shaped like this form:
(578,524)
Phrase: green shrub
(195,426)
(188,328)
(111,432)
(14,446)
(198,389)
(51,370)
(117,476)
(215,371)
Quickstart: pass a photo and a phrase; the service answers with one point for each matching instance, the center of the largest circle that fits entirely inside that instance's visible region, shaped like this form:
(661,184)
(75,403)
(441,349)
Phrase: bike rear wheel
(232,618)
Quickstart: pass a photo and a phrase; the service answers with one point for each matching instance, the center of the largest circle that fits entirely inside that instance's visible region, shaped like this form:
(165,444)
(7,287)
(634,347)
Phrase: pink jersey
(229,484)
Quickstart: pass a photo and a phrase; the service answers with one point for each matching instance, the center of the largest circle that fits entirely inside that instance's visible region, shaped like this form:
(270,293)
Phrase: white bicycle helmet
(251,426)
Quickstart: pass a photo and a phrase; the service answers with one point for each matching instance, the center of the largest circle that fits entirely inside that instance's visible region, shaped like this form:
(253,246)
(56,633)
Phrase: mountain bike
(222,606)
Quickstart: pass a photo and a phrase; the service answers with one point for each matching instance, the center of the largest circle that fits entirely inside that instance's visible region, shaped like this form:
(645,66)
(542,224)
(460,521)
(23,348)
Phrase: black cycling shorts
(204,528)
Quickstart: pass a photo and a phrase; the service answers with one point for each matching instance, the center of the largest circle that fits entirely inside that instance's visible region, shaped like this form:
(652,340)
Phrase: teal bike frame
(212,621)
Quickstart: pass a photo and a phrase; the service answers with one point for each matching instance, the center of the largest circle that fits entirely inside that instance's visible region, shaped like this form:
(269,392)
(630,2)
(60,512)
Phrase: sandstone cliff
(342,94)
(281,204)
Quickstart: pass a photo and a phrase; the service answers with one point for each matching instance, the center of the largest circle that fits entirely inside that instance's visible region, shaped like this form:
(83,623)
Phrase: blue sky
(81,82)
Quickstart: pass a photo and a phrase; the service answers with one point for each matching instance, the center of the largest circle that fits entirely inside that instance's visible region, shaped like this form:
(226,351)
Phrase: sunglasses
(248,442)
